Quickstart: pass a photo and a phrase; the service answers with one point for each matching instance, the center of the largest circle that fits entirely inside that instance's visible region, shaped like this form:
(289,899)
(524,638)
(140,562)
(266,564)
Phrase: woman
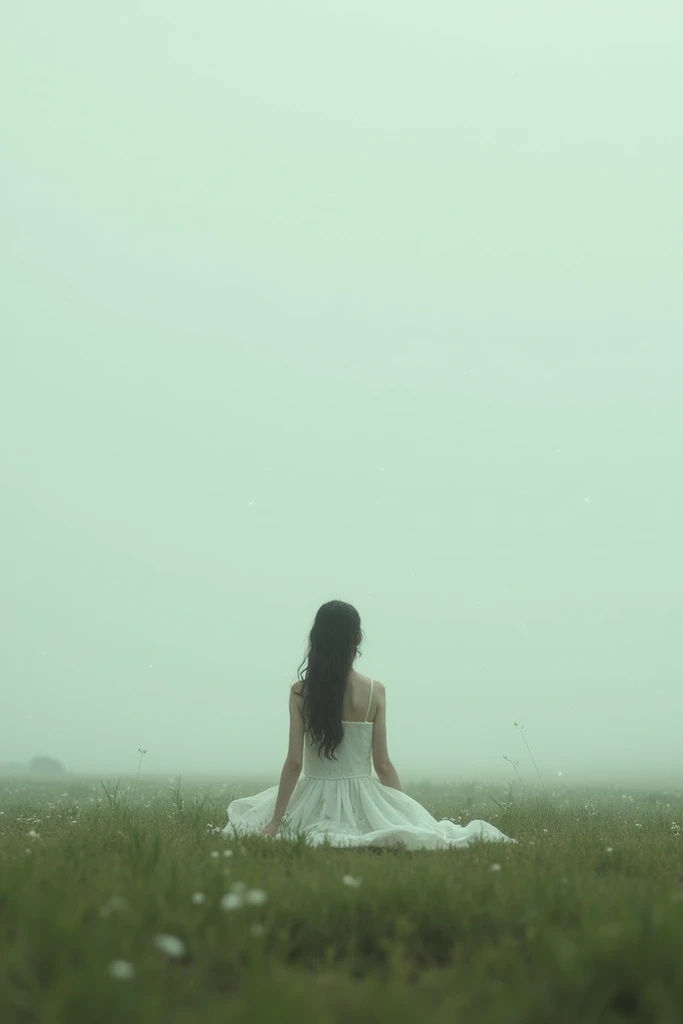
(337,732)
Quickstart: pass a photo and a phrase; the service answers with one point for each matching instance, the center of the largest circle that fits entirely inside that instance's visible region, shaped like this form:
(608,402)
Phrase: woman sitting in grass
(337,732)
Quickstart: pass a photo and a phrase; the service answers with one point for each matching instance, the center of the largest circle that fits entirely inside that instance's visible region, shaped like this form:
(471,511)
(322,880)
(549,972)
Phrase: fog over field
(313,300)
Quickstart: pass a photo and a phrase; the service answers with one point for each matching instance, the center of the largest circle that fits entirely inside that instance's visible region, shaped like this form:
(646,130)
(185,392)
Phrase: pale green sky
(371,301)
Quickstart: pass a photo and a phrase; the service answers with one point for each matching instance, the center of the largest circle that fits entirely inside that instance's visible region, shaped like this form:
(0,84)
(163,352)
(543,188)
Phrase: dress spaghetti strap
(372,683)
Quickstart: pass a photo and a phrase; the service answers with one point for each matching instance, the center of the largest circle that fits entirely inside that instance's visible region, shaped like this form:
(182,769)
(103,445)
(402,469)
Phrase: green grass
(582,921)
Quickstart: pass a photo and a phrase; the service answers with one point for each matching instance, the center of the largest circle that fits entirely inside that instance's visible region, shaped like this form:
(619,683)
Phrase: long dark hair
(332,648)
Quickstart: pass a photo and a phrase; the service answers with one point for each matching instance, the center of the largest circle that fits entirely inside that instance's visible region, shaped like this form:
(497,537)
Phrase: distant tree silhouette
(45,766)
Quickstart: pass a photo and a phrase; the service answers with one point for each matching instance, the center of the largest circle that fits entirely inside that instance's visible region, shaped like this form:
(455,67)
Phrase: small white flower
(232,901)
(170,945)
(257,897)
(227,853)
(33,834)
(112,906)
(122,970)
(609,849)
(215,854)
(353,883)
(495,867)
(198,898)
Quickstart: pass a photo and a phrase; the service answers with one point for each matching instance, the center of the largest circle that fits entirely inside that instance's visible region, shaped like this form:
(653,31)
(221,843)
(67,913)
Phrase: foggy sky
(314,300)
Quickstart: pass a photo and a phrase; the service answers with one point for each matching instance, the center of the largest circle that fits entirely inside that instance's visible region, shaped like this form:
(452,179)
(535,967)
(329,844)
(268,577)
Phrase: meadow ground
(120,906)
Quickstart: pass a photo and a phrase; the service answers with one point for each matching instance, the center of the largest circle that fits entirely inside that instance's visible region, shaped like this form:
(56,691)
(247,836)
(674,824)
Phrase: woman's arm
(386,773)
(291,770)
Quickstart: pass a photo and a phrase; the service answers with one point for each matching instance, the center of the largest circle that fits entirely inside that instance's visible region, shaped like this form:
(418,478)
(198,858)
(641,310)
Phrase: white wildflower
(232,901)
(112,906)
(122,970)
(198,898)
(257,897)
(495,867)
(170,945)
(353,883)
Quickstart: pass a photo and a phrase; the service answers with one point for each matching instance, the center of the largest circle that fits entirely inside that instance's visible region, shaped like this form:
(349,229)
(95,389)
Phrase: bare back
(365,701)
(358,707)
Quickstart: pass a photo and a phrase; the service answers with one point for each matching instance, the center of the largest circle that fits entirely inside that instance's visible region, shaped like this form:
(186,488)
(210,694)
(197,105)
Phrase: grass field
(113,908)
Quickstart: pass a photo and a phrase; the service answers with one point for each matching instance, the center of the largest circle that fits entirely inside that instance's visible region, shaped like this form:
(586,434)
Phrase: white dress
(341,802)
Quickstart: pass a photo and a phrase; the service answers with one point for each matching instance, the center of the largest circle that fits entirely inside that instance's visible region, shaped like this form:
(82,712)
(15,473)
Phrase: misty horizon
(282,325)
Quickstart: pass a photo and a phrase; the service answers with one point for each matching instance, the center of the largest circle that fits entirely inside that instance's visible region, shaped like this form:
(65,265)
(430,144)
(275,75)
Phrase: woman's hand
(270,829)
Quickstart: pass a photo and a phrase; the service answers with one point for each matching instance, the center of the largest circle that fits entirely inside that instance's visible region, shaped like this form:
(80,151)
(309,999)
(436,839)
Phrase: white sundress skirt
(340,802)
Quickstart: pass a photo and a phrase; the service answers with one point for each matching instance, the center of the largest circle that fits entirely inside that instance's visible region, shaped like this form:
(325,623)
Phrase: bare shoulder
(380,690)
(297,688)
